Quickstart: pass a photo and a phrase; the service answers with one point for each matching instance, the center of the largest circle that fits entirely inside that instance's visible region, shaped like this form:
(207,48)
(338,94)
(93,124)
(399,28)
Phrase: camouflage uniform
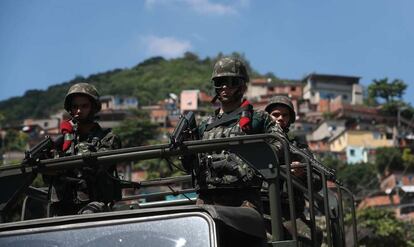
(223,178)
(91,188)
(302,224)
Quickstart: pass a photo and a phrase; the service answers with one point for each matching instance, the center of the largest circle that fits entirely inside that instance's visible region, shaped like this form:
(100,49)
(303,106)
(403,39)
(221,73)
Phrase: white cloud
(167,47)
(203,6)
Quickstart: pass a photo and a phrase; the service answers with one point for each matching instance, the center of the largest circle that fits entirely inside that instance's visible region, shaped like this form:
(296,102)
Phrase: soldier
(225,179)
(282,112)
(87,189)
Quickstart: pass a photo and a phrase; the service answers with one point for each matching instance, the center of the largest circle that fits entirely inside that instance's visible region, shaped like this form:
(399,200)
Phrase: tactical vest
(225,169)
(93,183)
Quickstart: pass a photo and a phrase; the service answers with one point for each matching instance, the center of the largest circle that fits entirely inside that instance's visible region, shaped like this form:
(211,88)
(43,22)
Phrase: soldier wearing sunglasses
(223,178)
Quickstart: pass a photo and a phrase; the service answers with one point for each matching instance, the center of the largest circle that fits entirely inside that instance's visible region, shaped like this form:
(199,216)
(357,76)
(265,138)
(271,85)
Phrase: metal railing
(258,152)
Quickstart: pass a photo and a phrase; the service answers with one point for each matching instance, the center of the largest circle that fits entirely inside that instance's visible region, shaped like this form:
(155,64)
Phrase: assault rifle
(186,130)
(38,152)
(330,173)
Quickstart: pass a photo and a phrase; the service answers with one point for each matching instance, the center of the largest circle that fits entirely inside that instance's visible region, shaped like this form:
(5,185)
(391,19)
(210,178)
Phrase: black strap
(224,119)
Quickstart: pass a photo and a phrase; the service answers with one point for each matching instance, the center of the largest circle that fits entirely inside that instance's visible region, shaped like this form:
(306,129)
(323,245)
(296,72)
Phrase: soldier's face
(228,87)
(280,115)
(81,107)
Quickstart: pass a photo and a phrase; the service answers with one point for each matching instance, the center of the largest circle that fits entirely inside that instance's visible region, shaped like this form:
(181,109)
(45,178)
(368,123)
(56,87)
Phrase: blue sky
(48,42)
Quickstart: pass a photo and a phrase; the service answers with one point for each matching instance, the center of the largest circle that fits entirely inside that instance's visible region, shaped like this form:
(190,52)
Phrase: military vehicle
(178,222)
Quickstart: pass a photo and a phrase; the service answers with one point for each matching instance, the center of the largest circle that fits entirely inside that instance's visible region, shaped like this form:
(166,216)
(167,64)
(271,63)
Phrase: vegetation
(389,94)
(379,227)
(360,178)
(363,178)
(386,91)
(136,130)
(14,140)
(408,159)
(388,159)
(149,81)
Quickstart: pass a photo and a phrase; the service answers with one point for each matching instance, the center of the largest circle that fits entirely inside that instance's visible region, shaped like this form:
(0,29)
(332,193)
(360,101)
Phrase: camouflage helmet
(85,89)
(230,66)
(285,101)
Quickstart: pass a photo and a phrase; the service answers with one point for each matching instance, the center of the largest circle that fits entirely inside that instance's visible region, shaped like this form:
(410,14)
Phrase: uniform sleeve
(201,128)
(110,142)
(270,127)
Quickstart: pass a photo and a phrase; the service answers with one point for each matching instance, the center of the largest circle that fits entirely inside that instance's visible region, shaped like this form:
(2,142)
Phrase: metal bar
(297,184)
(136,153)
(24,208)
(166,203)
(275,209)
(287,160)
(164,181)
(274,200)
(354,220)
(311,201)
(309,190)
(326,206)
(341,214)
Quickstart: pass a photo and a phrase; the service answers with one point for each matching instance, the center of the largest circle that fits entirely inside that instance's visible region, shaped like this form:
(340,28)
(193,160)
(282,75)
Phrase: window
(327,95)
(407,209)
(344,96)
(352,152)
(292,89)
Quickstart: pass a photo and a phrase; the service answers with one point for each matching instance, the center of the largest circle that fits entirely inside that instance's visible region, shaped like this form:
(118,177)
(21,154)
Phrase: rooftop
(328,78)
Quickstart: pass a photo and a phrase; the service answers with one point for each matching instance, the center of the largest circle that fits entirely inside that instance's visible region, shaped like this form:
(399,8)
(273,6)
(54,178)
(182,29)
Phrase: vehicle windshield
(173,232)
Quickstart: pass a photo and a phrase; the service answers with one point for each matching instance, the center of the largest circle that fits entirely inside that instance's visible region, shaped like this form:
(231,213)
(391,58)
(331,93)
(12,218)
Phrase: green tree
(408,159)
(379,227)
(389,94)
(388,159)
(15,140)
(333,162)
(2,119)
(137,130)
(360,178)
(387,91)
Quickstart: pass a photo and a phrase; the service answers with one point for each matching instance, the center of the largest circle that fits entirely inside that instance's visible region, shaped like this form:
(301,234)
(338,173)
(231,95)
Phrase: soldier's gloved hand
(85,148)
(94,207)
(82,185)
(297,169)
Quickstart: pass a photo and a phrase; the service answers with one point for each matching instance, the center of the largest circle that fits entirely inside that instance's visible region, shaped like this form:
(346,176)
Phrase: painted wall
(360,138)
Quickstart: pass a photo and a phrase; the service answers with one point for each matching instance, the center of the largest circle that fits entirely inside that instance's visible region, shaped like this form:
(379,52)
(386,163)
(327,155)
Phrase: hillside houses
(319,87)
(330,118)
(396,193)
(330,114)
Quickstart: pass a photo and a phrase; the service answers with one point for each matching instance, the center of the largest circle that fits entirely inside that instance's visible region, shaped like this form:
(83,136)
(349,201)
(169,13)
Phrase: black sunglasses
(229,82)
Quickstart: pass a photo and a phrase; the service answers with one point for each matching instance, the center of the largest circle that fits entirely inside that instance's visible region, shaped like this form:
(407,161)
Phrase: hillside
(149,81)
